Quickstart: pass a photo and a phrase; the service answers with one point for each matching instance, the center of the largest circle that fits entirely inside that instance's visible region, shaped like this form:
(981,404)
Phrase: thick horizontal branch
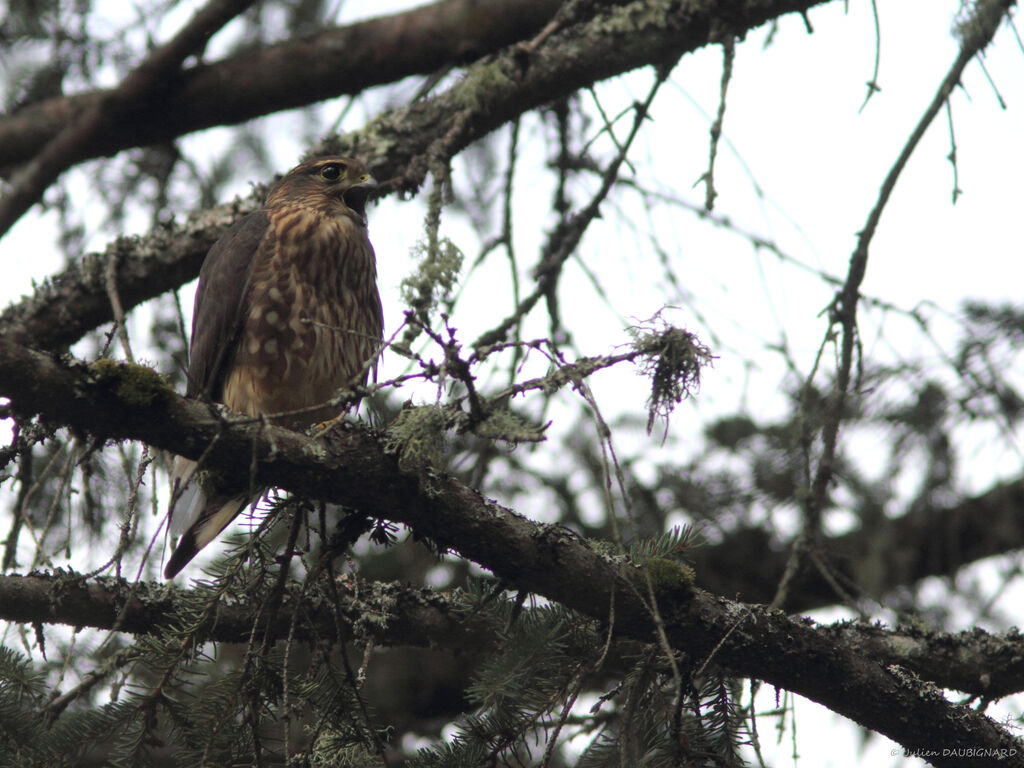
(403,615)
(75,301)
(974,662)
(353,468)
(402,144)
(335,62)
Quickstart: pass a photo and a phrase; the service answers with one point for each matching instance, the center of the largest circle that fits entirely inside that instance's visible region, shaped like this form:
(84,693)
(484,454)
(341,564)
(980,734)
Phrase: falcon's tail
(196,518)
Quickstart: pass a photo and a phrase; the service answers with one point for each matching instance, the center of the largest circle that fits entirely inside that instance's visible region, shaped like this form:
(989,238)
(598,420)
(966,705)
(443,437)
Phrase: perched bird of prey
(287,312)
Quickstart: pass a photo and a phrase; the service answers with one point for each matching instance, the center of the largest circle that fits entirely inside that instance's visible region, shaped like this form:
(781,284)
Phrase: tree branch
(294,73)
(986,18)
(894,553)
(615,39)
(974,662)
(144,85)
(403,615)
(400,145)
(74,301)
(353,468)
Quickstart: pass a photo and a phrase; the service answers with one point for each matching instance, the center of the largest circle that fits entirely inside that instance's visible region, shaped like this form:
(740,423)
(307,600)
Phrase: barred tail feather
(213,517)
(187,499)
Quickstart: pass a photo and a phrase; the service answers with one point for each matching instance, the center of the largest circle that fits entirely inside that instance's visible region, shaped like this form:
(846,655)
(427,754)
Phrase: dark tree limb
(615,38)
(407,616)
(295,73)
(354,469)
(75,301)
(145,85)
(974,662)
(983,665)
(746,564)
(869,563)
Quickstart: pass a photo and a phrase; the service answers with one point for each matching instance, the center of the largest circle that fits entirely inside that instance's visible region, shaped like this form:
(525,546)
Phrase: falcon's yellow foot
(321,429)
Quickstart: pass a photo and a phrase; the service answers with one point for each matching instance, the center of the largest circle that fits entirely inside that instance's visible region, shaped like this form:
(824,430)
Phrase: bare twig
(564,240)
(728,56)
(110,275)
(89,680)
(952,154)
(25,484)
(873,86)
(843,310)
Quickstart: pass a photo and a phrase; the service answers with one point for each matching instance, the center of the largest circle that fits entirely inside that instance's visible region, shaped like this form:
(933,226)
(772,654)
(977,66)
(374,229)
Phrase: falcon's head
(325,181)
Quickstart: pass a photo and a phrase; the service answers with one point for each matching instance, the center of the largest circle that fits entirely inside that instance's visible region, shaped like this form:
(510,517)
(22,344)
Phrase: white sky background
(792,121)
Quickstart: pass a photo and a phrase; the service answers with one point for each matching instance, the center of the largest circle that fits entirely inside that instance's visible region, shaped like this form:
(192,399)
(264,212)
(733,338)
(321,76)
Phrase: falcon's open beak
(355,197)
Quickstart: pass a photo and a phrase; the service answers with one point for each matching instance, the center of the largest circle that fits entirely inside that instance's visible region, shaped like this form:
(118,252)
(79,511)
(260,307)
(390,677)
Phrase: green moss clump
(136,385)
(666,575)
(505,425)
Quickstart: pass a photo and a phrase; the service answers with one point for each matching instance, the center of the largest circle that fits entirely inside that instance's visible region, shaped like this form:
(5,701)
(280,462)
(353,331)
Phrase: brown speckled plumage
(286,313)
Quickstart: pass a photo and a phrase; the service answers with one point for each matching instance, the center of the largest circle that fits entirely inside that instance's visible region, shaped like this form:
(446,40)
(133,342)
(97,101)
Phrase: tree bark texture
(293,73)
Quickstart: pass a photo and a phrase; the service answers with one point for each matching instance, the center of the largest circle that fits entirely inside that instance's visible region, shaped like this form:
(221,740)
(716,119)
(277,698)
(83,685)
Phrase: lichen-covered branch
(975,662)
(144,84)
(73,302)
(402,615)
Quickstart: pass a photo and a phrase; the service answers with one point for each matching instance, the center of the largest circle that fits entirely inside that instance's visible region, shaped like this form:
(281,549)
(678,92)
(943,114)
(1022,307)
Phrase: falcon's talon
(286,313)
(319,430)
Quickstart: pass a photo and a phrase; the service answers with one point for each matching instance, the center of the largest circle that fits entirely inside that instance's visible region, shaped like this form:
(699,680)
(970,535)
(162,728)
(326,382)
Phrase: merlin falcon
(287,312)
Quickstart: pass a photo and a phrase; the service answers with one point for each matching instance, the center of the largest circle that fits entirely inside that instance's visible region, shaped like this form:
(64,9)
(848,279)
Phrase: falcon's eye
(332,172)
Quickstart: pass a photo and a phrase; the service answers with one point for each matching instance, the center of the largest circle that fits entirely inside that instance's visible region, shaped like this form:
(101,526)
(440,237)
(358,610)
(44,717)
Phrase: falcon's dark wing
(219,310)
(218,319)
